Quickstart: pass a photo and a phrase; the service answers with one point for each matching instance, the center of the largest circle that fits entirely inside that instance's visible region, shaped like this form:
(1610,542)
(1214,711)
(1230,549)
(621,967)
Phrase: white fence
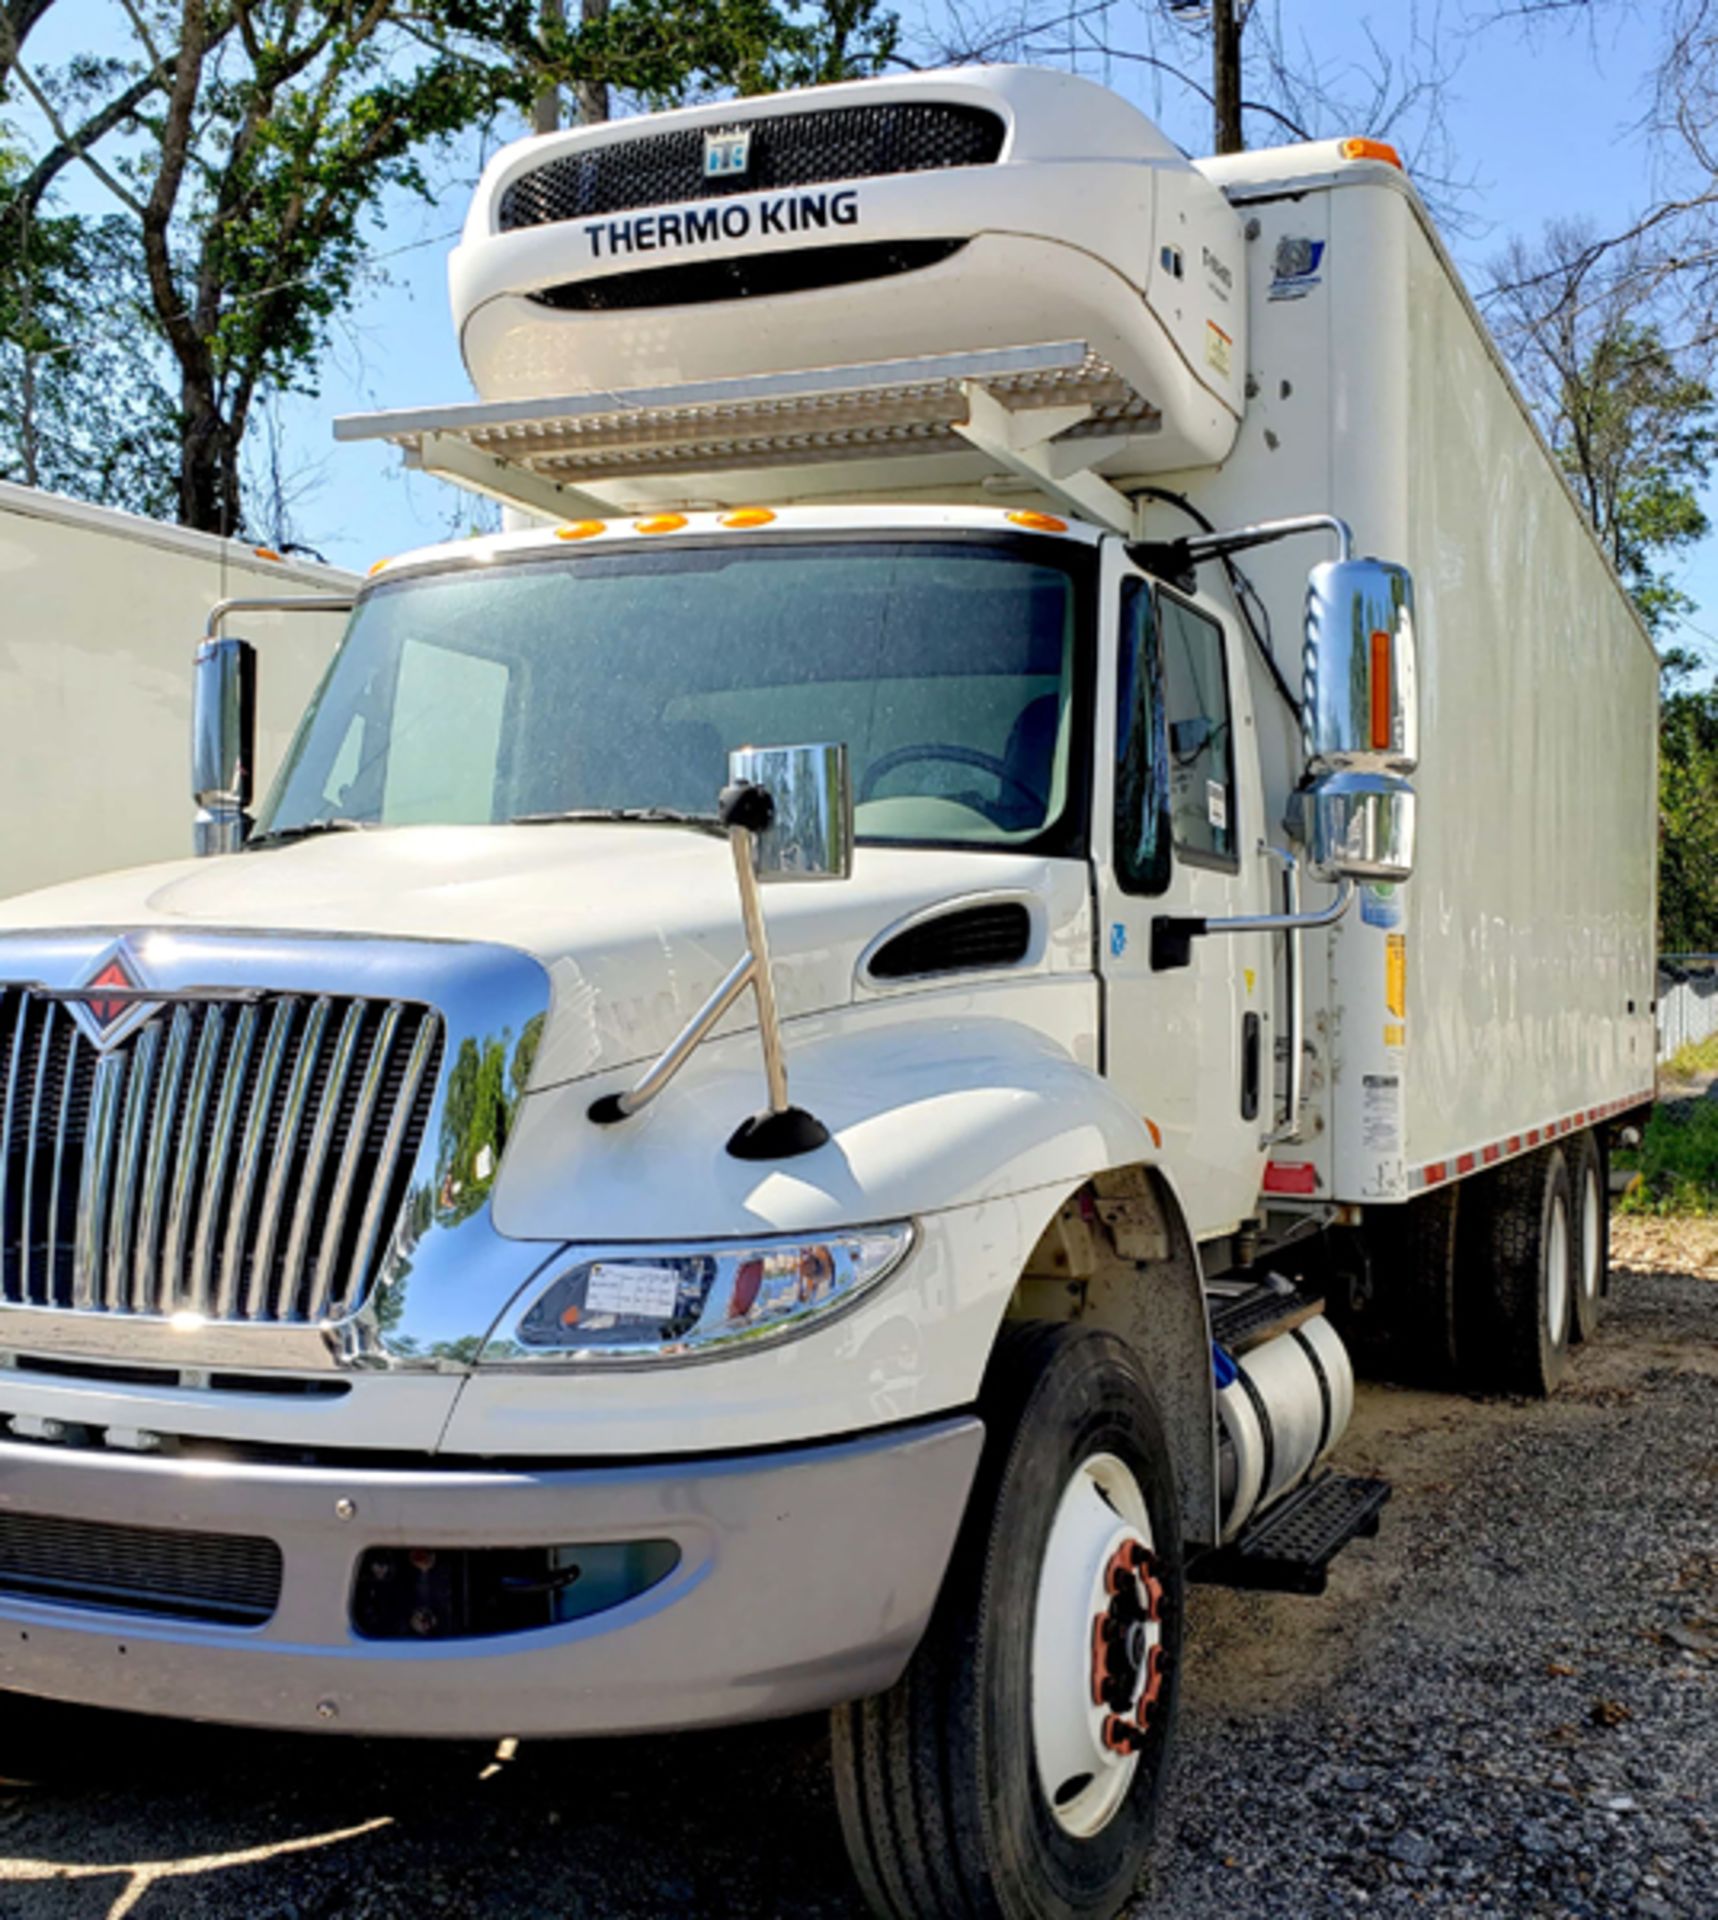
(1687,1000)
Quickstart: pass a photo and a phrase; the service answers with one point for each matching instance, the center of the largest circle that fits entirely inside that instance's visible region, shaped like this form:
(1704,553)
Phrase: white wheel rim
(1083,1777)
(1557,1279)
(1592,1253)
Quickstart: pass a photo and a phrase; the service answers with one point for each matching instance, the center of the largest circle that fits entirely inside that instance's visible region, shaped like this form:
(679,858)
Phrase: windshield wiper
(631,816)
(306,830)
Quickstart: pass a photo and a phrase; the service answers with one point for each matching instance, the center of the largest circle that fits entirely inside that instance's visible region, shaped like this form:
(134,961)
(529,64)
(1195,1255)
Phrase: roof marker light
(1038,522)
(268,553)
(581,529)
(1373,150)
(749,517)
(660,523)
(377,565)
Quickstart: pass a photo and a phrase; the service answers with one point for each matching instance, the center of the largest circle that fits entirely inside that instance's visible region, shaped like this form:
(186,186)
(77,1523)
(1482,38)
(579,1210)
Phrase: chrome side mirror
(1360,721)
(810,834)
(223,743)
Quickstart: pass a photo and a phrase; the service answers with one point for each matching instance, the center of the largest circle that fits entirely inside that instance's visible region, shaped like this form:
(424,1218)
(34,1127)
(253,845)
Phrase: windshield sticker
(1297,268)
(1217,804)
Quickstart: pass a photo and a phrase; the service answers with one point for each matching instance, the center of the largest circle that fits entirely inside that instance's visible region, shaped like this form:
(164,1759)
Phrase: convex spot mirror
(1360,722)
(223,742)
(810,836)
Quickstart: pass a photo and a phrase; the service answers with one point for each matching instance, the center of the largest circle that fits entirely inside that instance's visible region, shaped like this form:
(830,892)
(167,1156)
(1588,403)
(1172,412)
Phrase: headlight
(672,1303)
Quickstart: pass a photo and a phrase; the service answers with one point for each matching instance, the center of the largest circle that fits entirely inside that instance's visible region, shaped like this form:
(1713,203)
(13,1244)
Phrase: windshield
(619,680)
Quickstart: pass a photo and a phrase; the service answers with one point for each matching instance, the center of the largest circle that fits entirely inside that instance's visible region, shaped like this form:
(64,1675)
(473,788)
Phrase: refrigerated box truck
(769,1112)
(98,608)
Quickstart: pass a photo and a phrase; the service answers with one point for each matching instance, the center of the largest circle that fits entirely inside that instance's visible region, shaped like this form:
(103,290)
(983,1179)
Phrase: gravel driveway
(1507,1704)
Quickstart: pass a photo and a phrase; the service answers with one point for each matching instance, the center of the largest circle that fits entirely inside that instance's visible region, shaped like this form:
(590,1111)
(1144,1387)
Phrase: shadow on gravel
(168,1819)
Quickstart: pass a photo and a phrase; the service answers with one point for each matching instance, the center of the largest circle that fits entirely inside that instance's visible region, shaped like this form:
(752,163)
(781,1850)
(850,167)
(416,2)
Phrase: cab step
(1289,1548)
(1249,1317)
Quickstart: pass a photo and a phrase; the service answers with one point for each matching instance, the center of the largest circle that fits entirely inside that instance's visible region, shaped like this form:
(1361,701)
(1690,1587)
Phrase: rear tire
(1589,1180)
(943,1782)
(1530,1237)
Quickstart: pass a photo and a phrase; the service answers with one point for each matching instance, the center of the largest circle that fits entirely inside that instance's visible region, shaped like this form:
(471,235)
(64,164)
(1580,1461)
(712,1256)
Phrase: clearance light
(1380,691)
(1038,522)
(268,553)
(661,523)
(748,517)
(377,566)
(581,529)
(1372,150)
(682,1302)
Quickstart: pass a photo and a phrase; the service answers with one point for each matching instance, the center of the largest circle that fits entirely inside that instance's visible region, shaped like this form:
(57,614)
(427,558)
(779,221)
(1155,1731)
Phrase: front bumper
(806,1578)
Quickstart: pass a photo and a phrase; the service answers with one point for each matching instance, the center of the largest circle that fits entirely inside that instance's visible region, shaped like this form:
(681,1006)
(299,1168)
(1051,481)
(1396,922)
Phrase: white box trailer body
(103,614)
(1506,994)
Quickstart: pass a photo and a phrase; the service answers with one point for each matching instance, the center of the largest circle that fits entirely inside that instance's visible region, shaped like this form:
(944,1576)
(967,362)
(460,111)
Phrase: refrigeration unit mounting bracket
(1047,414)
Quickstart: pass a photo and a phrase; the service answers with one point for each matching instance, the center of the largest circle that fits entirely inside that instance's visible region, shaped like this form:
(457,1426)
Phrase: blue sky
(1541,123)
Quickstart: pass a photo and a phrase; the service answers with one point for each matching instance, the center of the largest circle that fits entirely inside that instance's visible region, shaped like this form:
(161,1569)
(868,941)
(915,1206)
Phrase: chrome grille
(243,1160)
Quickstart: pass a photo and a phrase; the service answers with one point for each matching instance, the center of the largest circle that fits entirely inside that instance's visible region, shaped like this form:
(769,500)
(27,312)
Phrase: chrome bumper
(806,1577)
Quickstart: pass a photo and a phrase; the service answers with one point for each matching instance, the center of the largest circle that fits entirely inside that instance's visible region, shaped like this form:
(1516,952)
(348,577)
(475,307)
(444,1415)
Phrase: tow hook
(1127,1663)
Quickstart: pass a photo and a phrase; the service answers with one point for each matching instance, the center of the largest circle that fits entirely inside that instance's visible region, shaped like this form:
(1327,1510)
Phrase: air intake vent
(227,1579)
(787,150)
(747,277)
(965,940)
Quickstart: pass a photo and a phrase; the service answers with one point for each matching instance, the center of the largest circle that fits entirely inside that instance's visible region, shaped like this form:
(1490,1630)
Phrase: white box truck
(766,1115)
(98,609)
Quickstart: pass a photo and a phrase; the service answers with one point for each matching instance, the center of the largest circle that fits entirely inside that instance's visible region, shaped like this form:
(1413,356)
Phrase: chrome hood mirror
(810,834)
(223,743)
(1360,721)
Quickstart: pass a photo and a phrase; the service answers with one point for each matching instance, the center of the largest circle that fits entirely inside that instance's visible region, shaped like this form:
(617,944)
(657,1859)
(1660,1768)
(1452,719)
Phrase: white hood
(634,925)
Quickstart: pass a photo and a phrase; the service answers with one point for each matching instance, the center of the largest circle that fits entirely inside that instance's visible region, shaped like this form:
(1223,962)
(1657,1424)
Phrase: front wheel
(1014,1772)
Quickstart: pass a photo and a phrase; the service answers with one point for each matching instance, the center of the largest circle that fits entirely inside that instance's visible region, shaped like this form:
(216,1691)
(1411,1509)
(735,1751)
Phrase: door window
(1142,783)
(1201,736)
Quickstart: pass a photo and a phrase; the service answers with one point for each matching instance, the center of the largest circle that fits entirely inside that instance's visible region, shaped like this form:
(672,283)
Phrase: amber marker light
(1372,150)
(581,529)
(377,566)
(660,523)
(748,517)
(268,553)
(1380,690)
(1038,522)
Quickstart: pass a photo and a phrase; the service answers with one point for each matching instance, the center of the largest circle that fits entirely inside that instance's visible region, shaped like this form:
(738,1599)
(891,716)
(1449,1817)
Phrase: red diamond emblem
(107,1012)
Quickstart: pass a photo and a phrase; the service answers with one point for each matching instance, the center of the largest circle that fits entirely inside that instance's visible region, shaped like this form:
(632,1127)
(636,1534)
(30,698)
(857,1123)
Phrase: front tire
(1015,1770)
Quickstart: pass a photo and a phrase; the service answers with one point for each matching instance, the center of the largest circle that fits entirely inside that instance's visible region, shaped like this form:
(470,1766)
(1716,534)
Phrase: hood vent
(963,940)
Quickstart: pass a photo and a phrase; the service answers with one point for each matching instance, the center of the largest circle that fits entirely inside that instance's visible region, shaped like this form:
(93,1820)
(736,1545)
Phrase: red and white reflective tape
(1437,1173)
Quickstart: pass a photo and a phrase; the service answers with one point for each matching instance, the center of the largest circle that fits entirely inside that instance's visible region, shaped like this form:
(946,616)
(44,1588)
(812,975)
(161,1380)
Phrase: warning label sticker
(1381,1115)
(1396,974)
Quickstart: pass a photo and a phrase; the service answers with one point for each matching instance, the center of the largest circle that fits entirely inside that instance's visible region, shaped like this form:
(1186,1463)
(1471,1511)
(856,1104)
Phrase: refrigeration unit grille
(243,1160)
(786,150)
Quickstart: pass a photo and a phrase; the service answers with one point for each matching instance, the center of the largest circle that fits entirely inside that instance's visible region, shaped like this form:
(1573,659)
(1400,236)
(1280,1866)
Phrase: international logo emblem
(107,1004)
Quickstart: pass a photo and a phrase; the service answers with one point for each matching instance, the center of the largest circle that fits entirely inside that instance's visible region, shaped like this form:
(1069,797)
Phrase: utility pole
(546,108)
(1228,19)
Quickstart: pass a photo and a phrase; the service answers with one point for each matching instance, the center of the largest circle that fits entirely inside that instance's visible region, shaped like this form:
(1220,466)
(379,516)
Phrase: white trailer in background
(97,608)
(384,1277)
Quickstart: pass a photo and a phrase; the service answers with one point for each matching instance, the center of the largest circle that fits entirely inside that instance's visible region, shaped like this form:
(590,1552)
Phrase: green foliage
(1677,1161)
(1688,822)
(1638,435)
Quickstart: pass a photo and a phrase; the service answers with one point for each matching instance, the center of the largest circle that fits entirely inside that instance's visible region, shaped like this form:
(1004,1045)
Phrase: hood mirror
(223,743)
(1360,721)
(788,815)
(810,834)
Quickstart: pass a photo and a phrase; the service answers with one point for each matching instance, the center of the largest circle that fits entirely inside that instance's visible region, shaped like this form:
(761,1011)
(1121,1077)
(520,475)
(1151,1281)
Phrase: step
(1242,1321)
(1289,1548)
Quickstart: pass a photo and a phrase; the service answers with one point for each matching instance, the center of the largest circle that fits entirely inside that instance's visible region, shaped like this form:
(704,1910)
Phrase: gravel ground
(1507,1704)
